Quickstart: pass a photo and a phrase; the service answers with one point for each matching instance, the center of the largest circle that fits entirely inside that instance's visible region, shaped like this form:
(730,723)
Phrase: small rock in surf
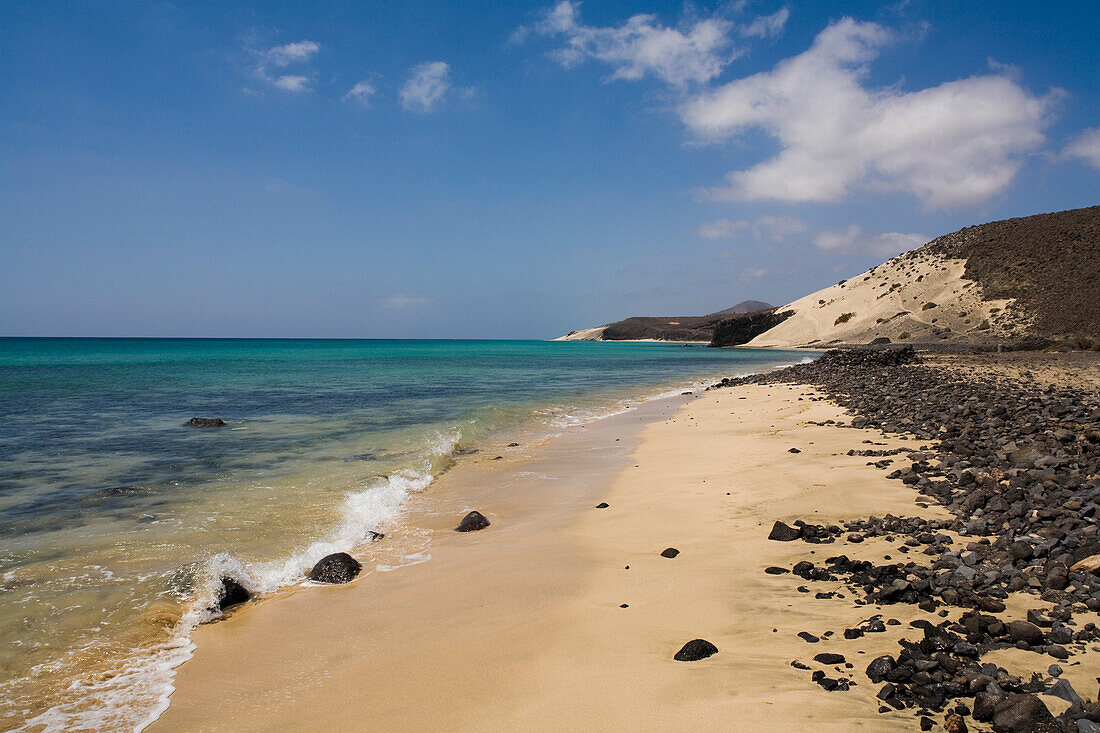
(206,422)
(231,594)
(339,567)
(472,522)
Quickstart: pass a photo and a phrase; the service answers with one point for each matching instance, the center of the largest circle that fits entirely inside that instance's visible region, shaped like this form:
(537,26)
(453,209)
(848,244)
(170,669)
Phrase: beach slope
(565,615)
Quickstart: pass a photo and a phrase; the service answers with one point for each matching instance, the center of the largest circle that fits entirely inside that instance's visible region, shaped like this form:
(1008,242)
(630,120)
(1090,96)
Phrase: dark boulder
(1020,713)
(985,704)
(231,593)
(1064,690)
(1025,631)
(784,533)
(880,667)
(472,522)
(695,650)
(829,658)
(670,552)
(954,723)
(339,567)
(206,422)
(603,505)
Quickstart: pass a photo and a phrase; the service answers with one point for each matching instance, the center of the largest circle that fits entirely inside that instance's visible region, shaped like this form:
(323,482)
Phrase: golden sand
(519,627)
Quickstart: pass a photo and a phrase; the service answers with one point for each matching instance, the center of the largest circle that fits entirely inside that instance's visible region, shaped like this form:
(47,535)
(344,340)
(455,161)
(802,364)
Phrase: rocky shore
(1014,456)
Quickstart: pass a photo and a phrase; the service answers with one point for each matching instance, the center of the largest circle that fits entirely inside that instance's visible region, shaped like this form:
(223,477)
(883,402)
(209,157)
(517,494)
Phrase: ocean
(117,519)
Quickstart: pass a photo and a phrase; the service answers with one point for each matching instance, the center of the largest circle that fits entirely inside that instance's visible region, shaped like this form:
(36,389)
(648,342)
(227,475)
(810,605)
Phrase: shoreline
(524,625)
(130,687)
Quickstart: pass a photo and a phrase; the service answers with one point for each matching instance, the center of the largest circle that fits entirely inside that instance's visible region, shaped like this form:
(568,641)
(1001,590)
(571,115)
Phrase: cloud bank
(1086,146)
(426,86)
(271,61)
(951,145)
(762,229)
(854,240)
(361,93)
(696,52)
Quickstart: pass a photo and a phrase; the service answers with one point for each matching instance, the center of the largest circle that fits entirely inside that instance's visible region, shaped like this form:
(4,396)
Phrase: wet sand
(520,626)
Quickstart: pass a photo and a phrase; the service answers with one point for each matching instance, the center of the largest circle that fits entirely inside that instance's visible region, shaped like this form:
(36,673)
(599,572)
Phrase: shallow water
(117,519)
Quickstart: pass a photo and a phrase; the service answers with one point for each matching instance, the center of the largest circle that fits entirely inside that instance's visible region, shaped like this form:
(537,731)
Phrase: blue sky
(485,169)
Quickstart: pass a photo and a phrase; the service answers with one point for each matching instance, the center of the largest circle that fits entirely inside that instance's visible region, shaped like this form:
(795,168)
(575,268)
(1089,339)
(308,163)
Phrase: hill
(1018,280)
(663,328)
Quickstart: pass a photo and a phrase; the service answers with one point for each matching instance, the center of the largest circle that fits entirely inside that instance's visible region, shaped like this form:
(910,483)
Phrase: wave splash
(138,693)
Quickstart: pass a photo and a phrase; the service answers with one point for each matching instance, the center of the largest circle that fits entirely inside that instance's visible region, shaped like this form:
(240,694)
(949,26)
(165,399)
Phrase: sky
(422,169)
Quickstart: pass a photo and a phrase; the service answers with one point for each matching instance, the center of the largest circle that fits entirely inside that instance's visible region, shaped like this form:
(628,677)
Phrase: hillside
(663,328)
(1007,281)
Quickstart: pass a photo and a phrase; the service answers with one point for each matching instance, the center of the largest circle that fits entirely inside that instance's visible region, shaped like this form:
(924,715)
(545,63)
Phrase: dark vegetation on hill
(744,328)
(1050,263)
(675,328)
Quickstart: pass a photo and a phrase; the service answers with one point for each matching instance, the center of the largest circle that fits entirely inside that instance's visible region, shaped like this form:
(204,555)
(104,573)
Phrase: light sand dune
(585,334)
(916,297)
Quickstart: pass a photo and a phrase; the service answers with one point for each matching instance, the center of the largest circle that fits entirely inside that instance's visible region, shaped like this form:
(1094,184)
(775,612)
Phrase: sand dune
(916,297)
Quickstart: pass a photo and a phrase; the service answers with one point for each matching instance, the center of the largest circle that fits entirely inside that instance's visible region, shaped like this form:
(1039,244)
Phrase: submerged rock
(206,422)
(695,650)
(339,567)
(472,522)
(231,594)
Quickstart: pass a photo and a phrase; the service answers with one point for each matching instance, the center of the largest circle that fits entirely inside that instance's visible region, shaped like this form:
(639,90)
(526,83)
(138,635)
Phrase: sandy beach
(522,626)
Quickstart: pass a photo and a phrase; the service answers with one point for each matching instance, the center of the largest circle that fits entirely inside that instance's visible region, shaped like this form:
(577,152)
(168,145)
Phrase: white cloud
(292,83)
(361,93)
(752,273)
(763,229)
(854,240)
(950,145)
(280,57)
(291,53)
(696,52)
(395,302)
(767,26)
(1086,146)
(426,86)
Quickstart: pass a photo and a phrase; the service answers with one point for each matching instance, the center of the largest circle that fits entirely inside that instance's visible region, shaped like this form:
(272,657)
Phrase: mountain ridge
(663,328)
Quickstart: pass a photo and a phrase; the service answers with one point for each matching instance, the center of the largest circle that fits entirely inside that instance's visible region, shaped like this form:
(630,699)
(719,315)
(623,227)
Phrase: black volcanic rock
(695,650)
(472,522)
(206,422)
(670,552)
(339,567)
(1020,713)
(676,328)
(784,533)
(1048,263)
(231,593)
(744,328)
(829,658)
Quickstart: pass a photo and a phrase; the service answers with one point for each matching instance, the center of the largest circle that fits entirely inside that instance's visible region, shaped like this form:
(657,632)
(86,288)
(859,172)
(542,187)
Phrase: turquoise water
(116,518)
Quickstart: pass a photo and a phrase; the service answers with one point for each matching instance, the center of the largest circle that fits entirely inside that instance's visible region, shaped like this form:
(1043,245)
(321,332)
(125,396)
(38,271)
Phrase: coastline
(519,626)
(522,626)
